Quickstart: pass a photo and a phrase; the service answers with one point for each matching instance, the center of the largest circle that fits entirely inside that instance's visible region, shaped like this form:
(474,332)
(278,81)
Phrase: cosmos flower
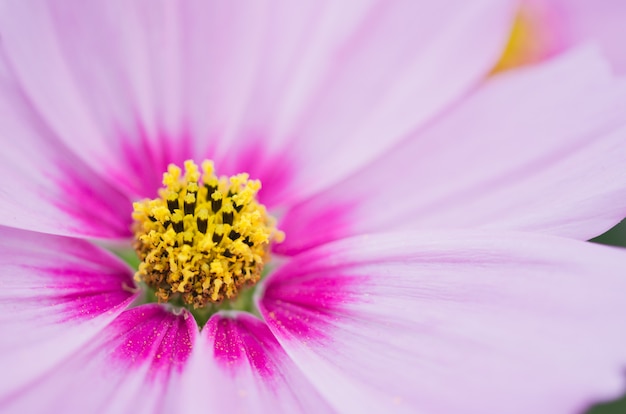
(419,234)
(544,28)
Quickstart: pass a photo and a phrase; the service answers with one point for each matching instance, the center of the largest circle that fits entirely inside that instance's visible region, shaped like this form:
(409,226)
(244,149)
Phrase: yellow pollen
(204,237)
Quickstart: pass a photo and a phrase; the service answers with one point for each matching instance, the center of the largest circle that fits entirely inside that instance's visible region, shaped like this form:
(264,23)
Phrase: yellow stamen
(204,237)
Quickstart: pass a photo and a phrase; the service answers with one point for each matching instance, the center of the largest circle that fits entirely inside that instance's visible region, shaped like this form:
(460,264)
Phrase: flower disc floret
(204,237)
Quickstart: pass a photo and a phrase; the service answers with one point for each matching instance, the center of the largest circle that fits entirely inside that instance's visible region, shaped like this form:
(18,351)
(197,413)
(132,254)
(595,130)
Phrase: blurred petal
(540,149)
(133,85)
(555,25)
(601,21)
(454,322)
(240,367)
(56,293)
(132,366)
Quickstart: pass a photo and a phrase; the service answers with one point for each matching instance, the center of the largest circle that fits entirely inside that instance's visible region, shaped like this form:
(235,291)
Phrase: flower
(433,258)
(548,27)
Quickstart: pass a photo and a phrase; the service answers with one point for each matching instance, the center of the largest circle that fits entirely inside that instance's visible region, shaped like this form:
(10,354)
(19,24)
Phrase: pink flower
(434,258)
(547,27)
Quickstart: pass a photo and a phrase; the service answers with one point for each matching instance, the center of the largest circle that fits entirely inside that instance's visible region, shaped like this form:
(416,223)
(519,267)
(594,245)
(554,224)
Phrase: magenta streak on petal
(84,281)
(87,294)
(274,170)
(144,158)
(152,334)
(323,224)
(136,170)
(98,209)
(244,340)
(306,304)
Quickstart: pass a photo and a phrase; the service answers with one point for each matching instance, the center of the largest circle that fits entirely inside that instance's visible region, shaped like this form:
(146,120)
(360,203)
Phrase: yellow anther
(204,237)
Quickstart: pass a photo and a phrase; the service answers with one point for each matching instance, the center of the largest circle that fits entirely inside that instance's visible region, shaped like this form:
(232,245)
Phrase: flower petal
(240,367)
(133,85)
(55,293)
(132,366)
(44,187)
(600,21)
(340,82)
(454,322)
(105,78)
(540,149)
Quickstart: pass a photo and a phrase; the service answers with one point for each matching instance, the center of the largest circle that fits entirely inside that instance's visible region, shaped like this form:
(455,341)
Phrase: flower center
(204,237)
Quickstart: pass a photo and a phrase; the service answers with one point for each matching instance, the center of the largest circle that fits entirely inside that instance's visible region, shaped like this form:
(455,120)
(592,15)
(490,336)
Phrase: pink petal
(105,77)
(55,294)
(339,82)
(540,149)
(133,85)
(132,366)
(44,187)
(454,322)
(581,21)
(240,367)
